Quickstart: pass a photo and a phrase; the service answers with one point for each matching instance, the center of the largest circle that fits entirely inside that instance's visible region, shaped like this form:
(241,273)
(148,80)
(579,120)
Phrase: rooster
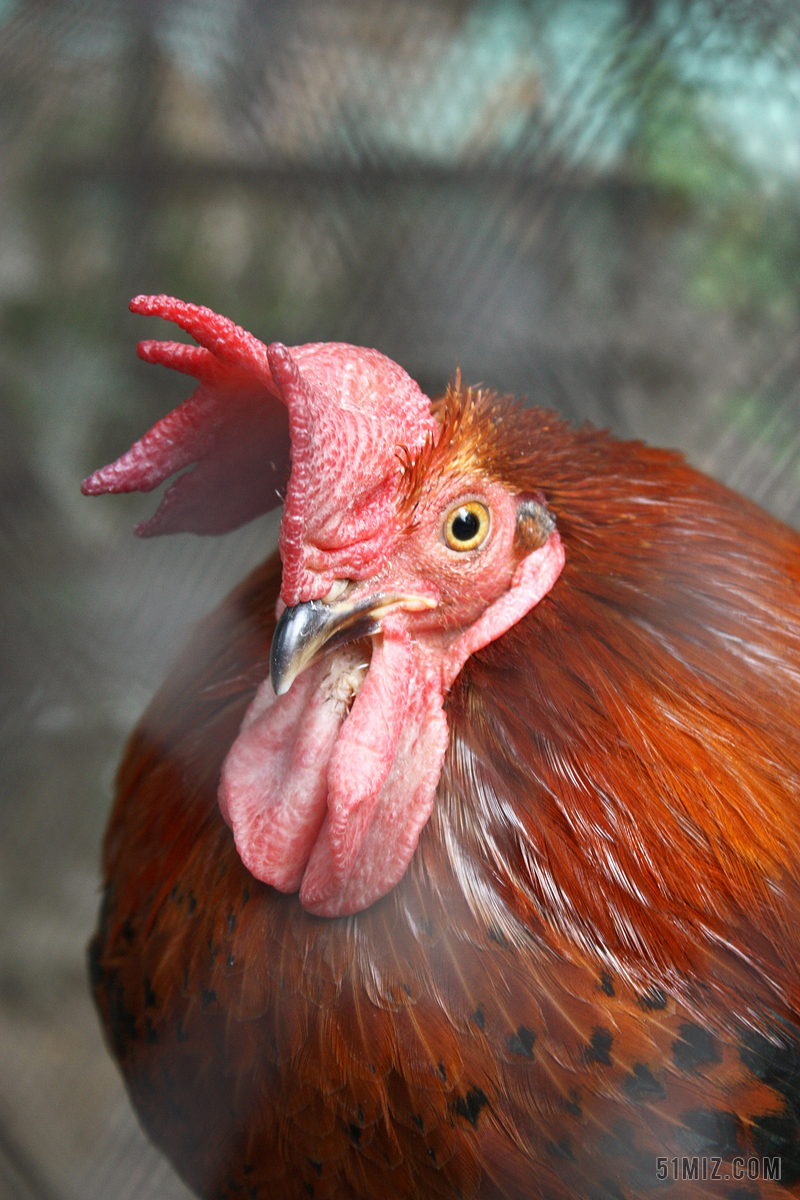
(458,857)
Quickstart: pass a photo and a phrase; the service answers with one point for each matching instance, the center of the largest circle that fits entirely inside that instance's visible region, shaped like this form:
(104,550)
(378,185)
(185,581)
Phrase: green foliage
(742,230)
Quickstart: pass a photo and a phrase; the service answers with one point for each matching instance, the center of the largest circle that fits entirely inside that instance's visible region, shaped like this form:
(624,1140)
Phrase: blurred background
(592,204)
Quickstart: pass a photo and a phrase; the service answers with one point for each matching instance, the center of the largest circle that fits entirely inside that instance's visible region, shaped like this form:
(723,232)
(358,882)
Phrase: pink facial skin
(375,770)
(327,787)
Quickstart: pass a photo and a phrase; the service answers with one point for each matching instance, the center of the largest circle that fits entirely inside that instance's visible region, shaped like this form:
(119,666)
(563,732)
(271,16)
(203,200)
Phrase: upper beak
(306,629)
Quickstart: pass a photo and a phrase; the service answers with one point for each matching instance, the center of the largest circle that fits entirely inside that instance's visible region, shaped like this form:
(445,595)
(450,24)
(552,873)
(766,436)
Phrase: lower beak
(304,631)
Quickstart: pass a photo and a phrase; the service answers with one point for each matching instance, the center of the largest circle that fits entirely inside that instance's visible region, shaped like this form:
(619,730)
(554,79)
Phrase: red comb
(233,427)
(336,413)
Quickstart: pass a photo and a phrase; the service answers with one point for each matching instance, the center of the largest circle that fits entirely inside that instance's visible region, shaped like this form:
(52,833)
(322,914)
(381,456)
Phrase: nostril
(337,588)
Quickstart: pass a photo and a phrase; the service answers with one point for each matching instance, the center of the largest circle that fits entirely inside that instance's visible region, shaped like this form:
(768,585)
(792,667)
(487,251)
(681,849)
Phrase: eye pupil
(465,525)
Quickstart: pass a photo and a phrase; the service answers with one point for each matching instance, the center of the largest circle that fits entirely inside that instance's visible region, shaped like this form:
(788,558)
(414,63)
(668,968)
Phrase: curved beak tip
(290,643)
(306,629)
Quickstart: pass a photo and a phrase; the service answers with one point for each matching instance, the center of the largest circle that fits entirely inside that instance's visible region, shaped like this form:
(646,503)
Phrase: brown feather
(592,960)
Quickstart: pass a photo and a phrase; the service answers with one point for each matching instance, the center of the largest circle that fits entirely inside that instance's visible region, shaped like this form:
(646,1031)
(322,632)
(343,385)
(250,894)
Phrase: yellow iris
(466,526)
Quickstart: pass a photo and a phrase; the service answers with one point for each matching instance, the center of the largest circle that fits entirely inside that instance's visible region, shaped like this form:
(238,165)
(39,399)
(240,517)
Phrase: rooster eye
(467,526)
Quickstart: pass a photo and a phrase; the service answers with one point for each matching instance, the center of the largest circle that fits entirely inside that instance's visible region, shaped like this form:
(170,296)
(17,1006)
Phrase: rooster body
(585,979)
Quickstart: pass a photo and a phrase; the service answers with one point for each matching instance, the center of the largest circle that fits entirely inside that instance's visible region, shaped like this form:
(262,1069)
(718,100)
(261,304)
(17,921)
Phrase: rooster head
(404,551)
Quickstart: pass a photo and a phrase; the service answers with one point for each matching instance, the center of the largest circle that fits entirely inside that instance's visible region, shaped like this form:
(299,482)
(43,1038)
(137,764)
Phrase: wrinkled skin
(589,962)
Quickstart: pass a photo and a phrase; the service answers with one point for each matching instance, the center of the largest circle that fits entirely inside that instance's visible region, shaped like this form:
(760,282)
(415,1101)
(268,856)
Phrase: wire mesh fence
(591,205)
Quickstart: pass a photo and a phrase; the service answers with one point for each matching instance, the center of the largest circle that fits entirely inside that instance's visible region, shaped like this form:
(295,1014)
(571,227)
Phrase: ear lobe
(535,522)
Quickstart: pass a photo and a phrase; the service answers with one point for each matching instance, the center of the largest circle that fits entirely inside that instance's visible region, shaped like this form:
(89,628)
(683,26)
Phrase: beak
(303,632)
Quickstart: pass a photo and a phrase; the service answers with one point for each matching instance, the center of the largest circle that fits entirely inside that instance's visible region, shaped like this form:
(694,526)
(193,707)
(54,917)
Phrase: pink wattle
(331,802)
(382,780)
(366,746)
(273,788)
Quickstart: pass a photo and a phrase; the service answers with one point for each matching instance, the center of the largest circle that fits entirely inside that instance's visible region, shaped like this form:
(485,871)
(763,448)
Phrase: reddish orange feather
(592,960)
